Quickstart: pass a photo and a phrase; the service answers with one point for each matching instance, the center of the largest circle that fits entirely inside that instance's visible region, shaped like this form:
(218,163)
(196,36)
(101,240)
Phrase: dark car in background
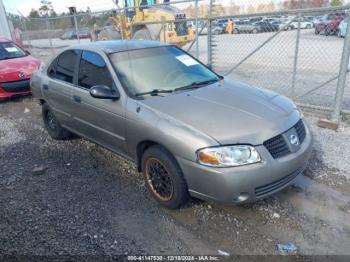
(265,26)
(243,27)
(70,35)
(328,24)
(219,27)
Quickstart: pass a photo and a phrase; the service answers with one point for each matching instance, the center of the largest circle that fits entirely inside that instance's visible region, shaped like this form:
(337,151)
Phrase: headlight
(228,156)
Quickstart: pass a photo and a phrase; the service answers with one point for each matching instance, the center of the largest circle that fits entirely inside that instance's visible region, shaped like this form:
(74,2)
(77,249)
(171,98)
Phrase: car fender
(35,84)
(144,123)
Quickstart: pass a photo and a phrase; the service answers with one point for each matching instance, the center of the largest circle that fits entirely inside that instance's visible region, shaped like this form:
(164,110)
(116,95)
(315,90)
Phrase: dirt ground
(88,201)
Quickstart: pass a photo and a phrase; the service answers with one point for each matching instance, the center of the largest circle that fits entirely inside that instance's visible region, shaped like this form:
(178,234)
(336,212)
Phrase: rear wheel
(53,126)
(142,34)
(164,178)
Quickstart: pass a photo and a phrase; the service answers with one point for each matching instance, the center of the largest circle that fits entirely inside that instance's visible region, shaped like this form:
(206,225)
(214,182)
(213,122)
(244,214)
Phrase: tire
(142,34)
(255,31)
(163,178)
(327,32)
(106,35)
(53,126)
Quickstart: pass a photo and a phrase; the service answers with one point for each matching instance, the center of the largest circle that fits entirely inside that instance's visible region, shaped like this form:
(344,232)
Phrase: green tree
(46,8)
(34,13)
(336,2)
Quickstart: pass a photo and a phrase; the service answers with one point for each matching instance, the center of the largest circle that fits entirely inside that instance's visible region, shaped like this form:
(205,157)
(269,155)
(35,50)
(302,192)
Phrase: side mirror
(104,92)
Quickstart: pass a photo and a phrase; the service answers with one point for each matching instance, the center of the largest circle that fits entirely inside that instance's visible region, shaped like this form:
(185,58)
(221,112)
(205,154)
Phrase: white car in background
(303,24)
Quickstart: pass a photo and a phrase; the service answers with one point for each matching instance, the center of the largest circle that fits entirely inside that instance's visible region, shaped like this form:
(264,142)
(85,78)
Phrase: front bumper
(248,183)
(180,40)
(17,88)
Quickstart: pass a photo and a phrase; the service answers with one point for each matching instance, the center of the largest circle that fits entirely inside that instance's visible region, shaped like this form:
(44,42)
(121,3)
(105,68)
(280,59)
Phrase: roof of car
(113,46)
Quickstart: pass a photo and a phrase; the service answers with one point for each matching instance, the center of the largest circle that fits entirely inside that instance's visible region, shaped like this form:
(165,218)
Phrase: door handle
(46,87)
(77,99)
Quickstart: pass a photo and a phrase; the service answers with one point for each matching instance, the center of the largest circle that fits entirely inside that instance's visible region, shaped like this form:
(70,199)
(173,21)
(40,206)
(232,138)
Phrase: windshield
(10,50)
(160,68)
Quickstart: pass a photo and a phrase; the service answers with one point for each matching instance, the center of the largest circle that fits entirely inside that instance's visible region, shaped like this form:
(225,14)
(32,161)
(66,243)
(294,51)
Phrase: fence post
(335,117)
(296,56)
(163,28)
(210,60)
(26,31)
(49,36)
(76,25)
(197,45)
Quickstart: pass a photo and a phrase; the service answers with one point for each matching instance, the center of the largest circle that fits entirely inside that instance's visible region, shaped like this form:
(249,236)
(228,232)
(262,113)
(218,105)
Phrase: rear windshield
(10,50)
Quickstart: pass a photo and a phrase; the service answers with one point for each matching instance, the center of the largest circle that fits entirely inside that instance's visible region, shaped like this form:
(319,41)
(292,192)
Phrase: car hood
(230,112)
(17,68)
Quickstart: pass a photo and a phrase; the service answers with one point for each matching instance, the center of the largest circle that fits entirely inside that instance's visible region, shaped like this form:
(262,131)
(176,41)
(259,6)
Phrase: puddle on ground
(316,200)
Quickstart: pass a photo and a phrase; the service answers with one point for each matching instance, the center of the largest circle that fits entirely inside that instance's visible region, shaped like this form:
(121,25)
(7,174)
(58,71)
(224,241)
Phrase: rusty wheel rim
(159,180)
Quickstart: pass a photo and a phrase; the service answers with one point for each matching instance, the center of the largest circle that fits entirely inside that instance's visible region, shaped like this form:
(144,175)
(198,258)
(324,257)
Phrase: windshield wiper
(197,84)
(154,92)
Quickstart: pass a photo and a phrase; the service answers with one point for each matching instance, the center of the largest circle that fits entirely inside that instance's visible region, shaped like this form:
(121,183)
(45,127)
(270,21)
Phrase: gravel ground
(75,198)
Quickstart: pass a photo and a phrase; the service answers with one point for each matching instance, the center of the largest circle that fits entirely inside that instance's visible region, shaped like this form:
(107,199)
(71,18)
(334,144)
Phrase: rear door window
(93,71)
(65,66)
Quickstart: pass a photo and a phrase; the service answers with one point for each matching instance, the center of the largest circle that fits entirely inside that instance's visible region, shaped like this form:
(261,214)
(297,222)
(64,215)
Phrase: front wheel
(164,178)
(142,34)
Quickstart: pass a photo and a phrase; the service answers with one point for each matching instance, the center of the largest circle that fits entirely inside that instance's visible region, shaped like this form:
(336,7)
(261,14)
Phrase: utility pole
(4,25)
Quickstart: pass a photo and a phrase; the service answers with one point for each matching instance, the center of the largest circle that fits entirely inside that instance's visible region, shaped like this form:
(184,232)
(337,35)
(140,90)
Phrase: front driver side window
(93,71)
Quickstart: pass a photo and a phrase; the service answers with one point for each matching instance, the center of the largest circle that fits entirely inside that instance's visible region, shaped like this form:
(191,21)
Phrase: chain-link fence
(295,52)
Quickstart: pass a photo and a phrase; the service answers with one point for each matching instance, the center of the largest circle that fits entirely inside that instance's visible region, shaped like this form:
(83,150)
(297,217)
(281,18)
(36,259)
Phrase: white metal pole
(4,25)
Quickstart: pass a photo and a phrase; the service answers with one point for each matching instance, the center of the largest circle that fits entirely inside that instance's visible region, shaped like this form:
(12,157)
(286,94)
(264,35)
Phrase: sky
(24,6)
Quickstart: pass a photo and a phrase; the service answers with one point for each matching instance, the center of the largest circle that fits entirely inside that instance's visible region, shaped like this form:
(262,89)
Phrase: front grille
(18,86)
(180,27)
(300,129)
(274,186)
(277,146)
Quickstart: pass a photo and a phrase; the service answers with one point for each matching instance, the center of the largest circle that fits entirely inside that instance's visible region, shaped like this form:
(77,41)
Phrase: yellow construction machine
(144,21)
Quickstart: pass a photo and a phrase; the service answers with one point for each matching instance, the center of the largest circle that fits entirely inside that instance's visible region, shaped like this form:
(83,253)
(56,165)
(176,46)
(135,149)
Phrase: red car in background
(16,68)
(329,24)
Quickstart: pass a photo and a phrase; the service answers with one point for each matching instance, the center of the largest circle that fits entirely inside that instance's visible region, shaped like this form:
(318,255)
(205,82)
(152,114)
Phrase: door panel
(58,87)
(101,120)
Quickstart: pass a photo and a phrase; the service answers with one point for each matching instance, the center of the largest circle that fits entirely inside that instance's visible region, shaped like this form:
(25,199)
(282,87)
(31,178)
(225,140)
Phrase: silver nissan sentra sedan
(190,131)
